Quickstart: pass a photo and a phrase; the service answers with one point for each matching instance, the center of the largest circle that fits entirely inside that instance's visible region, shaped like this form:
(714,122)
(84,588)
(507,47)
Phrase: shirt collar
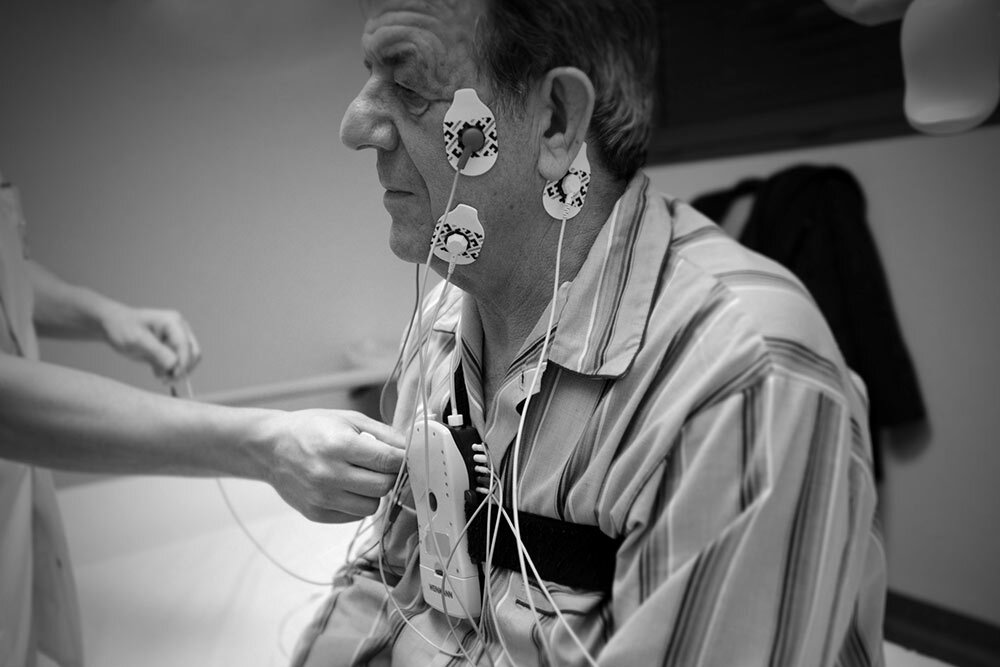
(602,314)
(604,320)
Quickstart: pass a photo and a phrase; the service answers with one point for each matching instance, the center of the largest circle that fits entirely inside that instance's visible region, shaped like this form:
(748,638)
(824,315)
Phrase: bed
(167,578)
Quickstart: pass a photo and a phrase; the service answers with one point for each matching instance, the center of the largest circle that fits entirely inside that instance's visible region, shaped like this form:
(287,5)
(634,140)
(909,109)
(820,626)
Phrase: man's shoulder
(725,307)
(752,286)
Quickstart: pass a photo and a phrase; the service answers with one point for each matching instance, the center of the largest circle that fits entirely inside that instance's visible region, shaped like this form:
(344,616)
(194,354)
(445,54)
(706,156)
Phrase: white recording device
(439,481)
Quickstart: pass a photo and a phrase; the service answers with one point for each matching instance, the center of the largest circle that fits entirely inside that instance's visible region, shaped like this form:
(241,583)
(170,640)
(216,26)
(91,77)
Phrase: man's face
(419,54)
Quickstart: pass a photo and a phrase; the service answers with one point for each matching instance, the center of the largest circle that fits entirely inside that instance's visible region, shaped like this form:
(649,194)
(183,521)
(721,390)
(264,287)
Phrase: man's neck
(520,291)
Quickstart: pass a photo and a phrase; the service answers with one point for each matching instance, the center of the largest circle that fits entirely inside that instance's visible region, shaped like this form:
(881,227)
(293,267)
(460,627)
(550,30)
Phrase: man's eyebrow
(396,57)
(399,58)
(407,62)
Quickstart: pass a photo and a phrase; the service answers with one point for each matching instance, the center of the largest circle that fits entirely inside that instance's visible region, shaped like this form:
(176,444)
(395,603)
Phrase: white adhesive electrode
(462,223)
(564,198)
(466,111)
(456,244)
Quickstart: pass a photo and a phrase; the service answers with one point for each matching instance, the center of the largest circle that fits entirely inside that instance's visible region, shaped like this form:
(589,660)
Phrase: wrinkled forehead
(437,36)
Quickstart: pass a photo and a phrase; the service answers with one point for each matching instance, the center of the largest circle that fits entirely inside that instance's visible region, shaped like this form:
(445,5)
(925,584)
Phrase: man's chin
(406,246)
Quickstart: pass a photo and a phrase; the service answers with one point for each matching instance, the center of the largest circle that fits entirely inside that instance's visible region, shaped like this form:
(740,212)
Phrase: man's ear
(566,99)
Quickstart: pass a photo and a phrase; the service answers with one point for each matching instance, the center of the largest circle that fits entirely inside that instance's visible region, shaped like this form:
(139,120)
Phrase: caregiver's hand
(325,463)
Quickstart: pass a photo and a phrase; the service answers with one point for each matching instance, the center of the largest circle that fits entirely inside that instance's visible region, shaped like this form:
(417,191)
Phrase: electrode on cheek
(456,244)
(471,140)
(470,134)
(458,236)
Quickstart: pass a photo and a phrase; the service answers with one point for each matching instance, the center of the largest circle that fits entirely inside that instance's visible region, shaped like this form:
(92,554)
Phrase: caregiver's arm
(317,460)
(160,337)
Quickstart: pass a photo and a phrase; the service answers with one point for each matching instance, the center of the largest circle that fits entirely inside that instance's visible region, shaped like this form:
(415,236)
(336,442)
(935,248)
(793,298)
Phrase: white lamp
(951,62)
(869,12)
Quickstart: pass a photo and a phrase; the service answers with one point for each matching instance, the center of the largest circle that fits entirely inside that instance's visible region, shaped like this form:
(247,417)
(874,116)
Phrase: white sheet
(167,579)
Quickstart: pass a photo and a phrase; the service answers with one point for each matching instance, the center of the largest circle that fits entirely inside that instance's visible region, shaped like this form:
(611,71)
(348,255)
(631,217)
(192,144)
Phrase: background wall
(185,154)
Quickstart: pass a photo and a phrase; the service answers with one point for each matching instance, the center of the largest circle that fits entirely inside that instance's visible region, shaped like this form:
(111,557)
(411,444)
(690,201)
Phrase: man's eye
(415,102)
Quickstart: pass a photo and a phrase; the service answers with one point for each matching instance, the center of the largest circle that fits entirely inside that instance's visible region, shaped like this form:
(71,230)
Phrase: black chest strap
(571,554)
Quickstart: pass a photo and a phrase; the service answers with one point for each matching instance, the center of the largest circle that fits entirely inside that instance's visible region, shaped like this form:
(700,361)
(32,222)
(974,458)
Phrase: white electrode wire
(380,543)
(422,291)
(452,400)
(489,558)
(548,596)
(394,498)
(462,534)
(454,411)
(422,369)
(421,340)
(503,514)
(284,647)
(364,526)
(497,487)
(451,267)
(415,318)
(445,579)
(239,522)
(420,294)
(260,547)
(402,350)
(394,494)
(406,620)
(422,336)
(520,435)
(521,552)
(494,482)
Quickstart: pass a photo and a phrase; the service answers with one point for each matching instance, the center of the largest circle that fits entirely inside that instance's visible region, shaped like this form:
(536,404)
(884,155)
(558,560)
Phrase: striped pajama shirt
(694,405)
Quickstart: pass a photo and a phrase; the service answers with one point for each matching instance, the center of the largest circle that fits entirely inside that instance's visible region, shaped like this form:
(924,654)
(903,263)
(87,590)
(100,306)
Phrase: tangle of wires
(489,486)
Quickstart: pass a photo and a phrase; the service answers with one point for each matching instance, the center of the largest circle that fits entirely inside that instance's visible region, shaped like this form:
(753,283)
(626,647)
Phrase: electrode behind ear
(466,112)
(458,236)
(564,198)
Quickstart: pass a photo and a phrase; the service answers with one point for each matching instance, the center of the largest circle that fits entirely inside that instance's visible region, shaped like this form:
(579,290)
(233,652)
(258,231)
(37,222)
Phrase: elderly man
(693,408)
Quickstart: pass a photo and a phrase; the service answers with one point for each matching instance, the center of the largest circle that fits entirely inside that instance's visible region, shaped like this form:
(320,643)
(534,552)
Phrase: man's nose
(366,123)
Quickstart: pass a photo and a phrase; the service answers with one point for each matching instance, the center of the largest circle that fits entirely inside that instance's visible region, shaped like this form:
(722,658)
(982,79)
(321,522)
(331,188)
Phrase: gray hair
(614,42)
